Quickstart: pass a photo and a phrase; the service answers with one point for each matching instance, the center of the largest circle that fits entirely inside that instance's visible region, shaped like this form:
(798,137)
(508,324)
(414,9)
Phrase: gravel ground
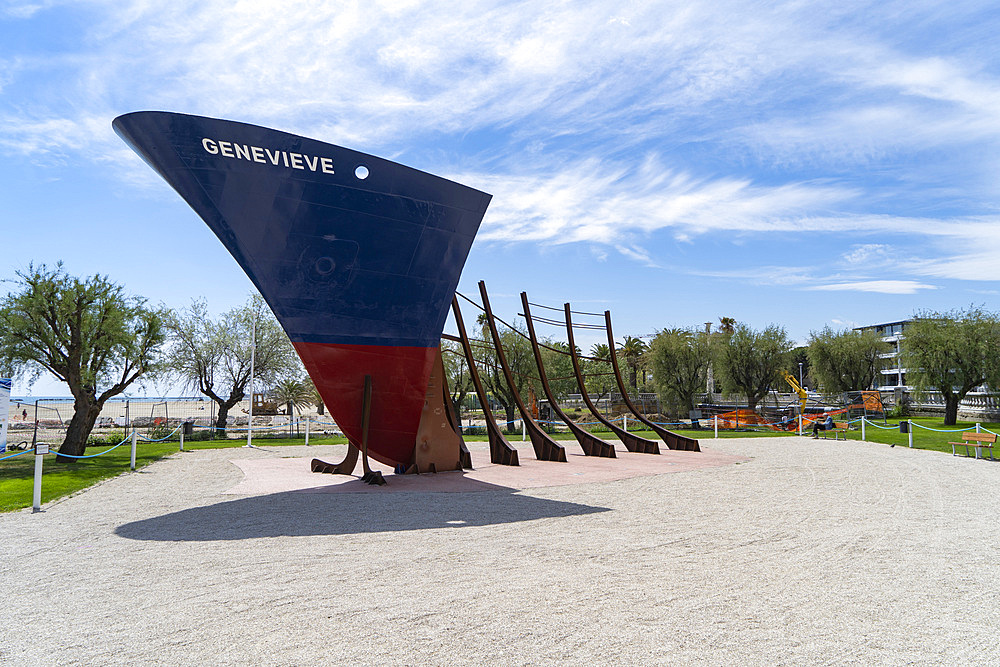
(811,552)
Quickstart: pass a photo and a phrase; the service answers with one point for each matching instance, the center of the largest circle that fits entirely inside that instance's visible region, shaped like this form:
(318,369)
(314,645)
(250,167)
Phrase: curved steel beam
(632,442)
(546,449)
(501,451)
(591,444)
(670,439)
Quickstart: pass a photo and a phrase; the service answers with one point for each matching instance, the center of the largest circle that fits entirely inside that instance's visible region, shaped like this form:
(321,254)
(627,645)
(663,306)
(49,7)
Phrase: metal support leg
(370,476)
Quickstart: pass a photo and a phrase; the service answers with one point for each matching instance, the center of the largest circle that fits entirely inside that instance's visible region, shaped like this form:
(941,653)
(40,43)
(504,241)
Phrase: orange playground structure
(860,402)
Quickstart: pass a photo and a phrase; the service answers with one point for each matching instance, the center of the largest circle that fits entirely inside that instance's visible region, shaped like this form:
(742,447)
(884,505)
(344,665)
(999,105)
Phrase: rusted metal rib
(591,444)
(670,439)
(546,449)
(501,451)
(632,442)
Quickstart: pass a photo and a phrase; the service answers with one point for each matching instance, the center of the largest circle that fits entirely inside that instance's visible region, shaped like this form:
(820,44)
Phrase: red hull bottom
(399,383)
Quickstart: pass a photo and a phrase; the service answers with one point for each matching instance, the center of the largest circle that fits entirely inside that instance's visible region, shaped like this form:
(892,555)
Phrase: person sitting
(825,425)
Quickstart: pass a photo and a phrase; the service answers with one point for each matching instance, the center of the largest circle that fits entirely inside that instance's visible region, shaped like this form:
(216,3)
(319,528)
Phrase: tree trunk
(224,407)
(509,409)
(222,417)
(950,409)
(456,407)
(84,417)
(752,403)
(319,409)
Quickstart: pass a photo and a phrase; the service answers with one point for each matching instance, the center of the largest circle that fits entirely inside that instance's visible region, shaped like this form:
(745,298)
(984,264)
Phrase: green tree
(598,374)
(953,352)
(521,360)
(727,325)
(680,359)
(293,392)
(88,333)
(559,368)
(631,351)
(601,351)
(315,398)
(750,362)
(214,356)
(456,373)
(845,360)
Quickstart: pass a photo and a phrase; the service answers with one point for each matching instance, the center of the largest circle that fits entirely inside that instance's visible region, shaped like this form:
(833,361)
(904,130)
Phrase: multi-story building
(893,374)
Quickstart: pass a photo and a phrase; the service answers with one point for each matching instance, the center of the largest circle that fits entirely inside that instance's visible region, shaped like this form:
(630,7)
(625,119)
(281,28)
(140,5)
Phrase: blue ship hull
(357,256)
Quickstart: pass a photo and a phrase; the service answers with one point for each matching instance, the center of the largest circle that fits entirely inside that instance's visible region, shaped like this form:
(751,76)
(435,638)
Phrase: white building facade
(893,373)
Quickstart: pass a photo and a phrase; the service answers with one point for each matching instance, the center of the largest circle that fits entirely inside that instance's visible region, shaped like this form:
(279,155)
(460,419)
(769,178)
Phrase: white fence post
(625,421)
(716,426)
(524,430)
(800,423)
(36,495)
(132,461)
(910,433)
(863,429)
(977,428)
(307,431)
(182,436)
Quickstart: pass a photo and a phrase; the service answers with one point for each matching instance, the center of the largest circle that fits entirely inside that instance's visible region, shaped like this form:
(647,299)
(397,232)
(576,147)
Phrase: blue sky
(798,163)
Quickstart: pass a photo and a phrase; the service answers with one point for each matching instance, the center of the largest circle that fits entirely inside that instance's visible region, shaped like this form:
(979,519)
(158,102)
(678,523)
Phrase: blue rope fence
(938,430)
(164,438)
(91,456)
(18,454)
(255,428)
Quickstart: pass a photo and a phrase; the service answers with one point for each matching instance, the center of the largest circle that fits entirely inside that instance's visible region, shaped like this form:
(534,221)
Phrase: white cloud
(602,201)
(606,202)
(789,276)
(869,253)
(938,79)
(23,10)
(575,91)
(880,286)
(372,71)
(49,139)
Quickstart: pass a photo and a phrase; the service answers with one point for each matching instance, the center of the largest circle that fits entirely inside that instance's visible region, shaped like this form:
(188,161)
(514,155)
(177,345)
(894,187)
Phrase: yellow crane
(790,379)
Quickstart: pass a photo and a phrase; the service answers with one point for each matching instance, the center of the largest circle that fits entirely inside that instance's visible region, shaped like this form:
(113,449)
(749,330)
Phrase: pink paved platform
(277,475)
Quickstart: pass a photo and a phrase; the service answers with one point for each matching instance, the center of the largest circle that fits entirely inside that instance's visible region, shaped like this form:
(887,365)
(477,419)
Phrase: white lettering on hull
(249,153)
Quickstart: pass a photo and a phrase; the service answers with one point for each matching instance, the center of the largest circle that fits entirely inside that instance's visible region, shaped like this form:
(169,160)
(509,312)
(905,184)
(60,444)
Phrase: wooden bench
(839,428)
(979,441)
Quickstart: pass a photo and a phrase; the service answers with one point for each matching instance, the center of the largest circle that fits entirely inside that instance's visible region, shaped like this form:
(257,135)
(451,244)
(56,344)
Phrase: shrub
(107,438)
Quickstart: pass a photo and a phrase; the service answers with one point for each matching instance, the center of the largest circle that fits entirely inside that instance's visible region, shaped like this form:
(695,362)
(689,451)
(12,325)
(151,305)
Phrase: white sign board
(4,409)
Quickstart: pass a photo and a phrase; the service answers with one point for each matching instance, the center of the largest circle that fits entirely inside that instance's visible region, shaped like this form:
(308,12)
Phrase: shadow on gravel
(299,514)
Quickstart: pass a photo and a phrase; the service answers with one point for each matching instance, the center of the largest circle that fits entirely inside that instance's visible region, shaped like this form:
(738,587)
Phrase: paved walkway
(781,551)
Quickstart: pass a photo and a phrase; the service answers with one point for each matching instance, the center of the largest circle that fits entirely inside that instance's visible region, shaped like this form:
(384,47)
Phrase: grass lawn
(928,433)
(701,434)
(60,479)
(923,437)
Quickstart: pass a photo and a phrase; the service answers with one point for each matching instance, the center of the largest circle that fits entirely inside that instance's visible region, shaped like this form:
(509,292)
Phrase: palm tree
(600,351)
(631,350)
(314,396)
(293,393)
(727,325)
